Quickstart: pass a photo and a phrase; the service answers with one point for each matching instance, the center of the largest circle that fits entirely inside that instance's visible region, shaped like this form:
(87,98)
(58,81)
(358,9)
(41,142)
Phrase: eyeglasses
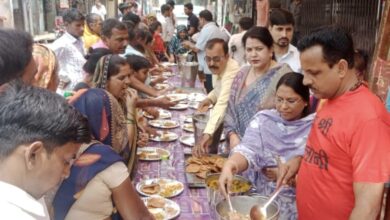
(289,102)
(214,59)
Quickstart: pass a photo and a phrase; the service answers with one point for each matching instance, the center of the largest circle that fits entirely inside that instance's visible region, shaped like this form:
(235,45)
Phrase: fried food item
(151,189)
(202,174)
(156,202)
(170,189)
(193,168)
(238,186)
(203,165)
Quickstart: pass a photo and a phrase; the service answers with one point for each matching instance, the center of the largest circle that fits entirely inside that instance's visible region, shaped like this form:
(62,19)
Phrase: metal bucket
(200,122)
(188,74)
(243,205)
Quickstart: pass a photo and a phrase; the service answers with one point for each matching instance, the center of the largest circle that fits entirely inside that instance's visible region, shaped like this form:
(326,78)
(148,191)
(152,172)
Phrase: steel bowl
(243,205)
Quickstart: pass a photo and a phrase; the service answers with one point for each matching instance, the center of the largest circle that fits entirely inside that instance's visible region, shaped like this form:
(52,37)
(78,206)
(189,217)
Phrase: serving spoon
(260,212)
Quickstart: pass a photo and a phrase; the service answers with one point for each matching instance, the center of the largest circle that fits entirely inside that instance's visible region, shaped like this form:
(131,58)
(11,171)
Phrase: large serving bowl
(240,184)
(243,205)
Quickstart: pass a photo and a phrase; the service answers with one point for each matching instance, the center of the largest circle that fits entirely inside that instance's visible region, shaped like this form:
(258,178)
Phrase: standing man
(192,20)
(209,30)
(173,16)
(40,135)
(124,8)
(168,29)
(114,36)
(346,161)
(69,49)
(100,9)
(236,47)
(92,29)
(281,27)
(224,70)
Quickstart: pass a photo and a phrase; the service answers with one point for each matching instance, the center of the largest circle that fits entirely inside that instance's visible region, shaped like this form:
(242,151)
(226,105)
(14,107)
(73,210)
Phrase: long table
(192,201)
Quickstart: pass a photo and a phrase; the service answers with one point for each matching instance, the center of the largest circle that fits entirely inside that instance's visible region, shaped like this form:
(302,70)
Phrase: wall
(6,11)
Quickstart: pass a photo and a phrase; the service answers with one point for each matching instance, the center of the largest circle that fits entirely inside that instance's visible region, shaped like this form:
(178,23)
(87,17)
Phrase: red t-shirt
(158,45)
(349,142)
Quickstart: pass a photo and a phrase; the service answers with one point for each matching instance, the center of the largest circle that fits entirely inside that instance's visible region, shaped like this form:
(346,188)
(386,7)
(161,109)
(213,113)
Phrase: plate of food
(164,136)
(189,127)
(195,105)
(162,208)
(158,76)
(152,153)
(163,114)
(188,140)
(177,97)
(168,64)
(166,188)
(164,124)
(188,119)
(179,106)
(167,74)
(161,86)
(196,97)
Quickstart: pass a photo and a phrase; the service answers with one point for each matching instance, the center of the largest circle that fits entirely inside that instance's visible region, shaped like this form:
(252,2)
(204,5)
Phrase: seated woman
(254,85)
(273,133)
(99,179)
(175,46)
(113,74)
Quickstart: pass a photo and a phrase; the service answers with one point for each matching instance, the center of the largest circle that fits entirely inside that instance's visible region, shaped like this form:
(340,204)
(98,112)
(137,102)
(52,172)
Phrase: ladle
(260,212)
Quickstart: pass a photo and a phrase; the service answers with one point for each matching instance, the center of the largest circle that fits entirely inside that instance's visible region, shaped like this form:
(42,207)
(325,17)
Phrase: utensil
(260,212)
(229,201)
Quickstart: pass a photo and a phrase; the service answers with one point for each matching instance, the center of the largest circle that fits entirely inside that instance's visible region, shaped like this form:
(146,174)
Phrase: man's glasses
(214,59)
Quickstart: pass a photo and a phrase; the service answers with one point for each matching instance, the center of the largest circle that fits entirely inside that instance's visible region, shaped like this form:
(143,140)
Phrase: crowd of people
(297,117)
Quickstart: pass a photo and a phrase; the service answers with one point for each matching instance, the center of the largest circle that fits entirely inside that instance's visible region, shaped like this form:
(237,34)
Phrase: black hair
(294,81)
(91,18)
(164,8)
(211,43)
(153,27)
(206,14)
(278,16)
(93,58)
(336,44)
(245,23)
(260,33)
(189,6)
(143,34)
(361,63)
(130,16)
(72,15)
(171,3)
(29,114)
(114,65)
(15,53)
(137,62)
(111,23)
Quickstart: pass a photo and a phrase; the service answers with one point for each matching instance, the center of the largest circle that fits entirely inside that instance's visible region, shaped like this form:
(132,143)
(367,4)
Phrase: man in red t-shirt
(347,157)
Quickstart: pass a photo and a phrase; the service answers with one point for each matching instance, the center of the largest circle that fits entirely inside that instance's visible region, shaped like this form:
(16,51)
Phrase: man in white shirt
(39,138)
(168,28)
(224,70)
(281,27)
(69,49)
(100,9)
(209,31)
(236,48)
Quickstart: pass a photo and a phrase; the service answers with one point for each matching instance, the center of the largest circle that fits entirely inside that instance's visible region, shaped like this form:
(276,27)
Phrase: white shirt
(100,11)
(18,204)
(208,32)
(70,56)
(239,53)
(291,58)
(168,29)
